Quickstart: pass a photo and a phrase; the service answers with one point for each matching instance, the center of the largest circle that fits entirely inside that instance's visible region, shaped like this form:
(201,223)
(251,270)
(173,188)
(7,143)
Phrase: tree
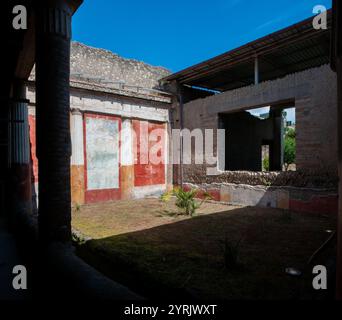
(290,148)
(290,133)
(266,164)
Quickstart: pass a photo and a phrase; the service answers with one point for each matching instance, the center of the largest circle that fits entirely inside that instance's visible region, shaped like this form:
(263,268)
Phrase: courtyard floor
(147,246)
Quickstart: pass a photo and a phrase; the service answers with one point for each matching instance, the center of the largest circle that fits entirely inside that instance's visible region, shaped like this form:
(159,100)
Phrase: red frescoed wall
(32,124)
(140,174)
(147,173)
(317,204)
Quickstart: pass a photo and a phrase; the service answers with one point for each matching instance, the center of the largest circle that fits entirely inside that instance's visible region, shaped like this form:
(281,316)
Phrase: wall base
(322,201)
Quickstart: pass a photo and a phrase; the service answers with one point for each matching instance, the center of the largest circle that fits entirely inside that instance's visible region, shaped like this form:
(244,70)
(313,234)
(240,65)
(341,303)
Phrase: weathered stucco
(308,200)
(106,87)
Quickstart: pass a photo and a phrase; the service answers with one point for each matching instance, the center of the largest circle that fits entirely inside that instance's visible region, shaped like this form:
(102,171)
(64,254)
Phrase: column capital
(55,18)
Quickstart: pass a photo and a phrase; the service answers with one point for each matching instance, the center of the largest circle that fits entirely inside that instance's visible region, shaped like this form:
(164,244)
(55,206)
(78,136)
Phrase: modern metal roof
(290,50)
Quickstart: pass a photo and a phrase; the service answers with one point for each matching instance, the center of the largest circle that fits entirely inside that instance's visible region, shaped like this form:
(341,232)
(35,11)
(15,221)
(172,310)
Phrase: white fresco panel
(102,153)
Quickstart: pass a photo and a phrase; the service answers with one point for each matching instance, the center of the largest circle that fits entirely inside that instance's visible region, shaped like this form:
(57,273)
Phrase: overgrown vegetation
(289,148)
(266,164)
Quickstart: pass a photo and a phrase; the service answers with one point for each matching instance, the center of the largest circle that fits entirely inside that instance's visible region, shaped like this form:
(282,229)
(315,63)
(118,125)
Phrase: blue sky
(179,33)
(290,113)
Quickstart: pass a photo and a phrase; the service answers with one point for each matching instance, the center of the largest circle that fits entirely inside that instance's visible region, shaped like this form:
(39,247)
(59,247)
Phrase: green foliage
(77,207)
(165,197)
(290,133)
(266,164)
(289,151)
(185,200)
(290,147)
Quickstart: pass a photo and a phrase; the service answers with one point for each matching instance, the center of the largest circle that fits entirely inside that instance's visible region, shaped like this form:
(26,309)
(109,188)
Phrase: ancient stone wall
(92,62)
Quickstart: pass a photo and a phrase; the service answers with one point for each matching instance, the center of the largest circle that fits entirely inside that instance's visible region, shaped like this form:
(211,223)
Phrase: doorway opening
(260,139)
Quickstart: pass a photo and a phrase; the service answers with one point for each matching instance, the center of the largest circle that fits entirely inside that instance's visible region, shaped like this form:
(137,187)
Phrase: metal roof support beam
(282,39)
(256,70)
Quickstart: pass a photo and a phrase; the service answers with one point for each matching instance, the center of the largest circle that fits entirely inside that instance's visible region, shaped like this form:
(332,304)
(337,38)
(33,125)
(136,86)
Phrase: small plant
(165,197)
(185,200)
(266,182)
(231,253)
(77,207)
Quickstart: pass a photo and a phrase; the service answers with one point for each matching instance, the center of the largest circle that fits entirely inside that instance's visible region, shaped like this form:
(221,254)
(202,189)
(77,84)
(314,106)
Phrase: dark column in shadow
(19,158)
(276,152)
(53,119)
(337,66)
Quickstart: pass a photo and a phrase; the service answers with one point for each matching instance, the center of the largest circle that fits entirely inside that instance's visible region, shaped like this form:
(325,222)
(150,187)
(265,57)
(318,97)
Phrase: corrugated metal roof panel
(295,48)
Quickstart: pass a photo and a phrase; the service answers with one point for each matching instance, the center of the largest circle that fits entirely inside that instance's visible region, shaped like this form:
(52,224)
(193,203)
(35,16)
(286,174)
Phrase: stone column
(127,159)
(53,33)
(77,158)
(168,157)
(19,153)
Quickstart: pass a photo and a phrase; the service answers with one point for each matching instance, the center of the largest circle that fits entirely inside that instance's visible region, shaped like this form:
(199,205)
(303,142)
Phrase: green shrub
(185,200)
(266,164)
(289,152)
(289,147)
(290,133)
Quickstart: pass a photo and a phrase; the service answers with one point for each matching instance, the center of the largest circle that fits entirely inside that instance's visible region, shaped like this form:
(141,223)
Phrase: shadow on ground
(185,258)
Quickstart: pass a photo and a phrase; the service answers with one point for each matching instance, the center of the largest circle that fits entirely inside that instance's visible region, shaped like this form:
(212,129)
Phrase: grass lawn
(147,246)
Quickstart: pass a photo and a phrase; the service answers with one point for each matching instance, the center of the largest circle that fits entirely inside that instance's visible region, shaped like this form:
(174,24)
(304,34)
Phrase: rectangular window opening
(260,139)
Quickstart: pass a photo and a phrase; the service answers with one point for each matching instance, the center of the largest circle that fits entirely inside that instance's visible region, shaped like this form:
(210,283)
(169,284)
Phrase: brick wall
(314,93)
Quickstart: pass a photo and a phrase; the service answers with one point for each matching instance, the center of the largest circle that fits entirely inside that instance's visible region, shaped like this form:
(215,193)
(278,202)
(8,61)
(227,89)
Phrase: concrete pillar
(77,158)
(53,119)
(19,153)
(127,159)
